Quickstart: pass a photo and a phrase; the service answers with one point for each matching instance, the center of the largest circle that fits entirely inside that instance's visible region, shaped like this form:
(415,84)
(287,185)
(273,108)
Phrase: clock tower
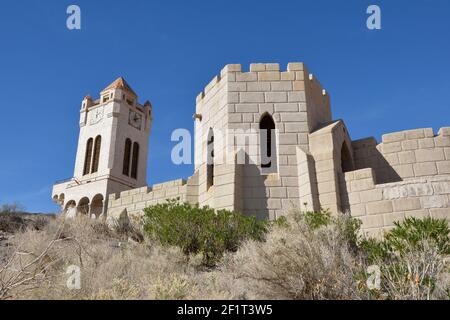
(112,150)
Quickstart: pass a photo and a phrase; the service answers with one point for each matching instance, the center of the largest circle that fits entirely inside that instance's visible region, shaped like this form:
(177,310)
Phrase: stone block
(414,134)
(258,86)
(274,203)
(393,137)
(269,76)
(425,169)
(295,66)
(248,76)
(418,189)
(442,141)
(276,97)
(406,157)
(298,86)
(281,86)
(281,192)
(288,75)
(441,187)
(426,143)
(392,147)
(294,117)
(404,170)
(237,86)
(409,145)
(443,167)
(406,204)
(247,107)
(286,107)
(384,206)
(251,97)
(440,213)
(257,67)
(447,153)
(372,221)
(358,210)
(371,195)
(362,185)
(436,201)
(390,218)
(297,96)
(429,155)
(266,107)
(419,214)
(235,118)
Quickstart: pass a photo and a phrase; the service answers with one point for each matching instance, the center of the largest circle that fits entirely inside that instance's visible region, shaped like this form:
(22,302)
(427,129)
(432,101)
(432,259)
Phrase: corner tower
(112,150)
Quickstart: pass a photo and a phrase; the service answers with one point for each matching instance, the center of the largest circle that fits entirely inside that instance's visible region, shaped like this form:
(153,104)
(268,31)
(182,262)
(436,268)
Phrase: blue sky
(380,81)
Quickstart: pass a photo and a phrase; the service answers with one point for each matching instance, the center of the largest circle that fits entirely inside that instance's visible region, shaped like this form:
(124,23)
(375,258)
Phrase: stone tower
(112,150)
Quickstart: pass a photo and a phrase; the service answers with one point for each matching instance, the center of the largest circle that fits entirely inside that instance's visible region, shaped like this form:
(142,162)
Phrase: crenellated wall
(405,155)
(380,205)
(136,200)
(408,174)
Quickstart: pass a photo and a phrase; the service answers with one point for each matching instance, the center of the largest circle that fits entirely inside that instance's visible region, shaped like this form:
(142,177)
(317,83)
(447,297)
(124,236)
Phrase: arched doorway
(83,206)
(97,206)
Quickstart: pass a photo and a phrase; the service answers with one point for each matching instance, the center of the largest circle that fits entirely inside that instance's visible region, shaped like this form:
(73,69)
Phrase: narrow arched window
(210,159)
(135,161)
(88,157)
(268,144)
(96,159)
(126,158)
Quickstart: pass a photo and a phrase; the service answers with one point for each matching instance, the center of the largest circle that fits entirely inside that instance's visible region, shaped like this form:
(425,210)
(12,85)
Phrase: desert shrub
(200,230)
(411,259)
(12,208)
(306,257)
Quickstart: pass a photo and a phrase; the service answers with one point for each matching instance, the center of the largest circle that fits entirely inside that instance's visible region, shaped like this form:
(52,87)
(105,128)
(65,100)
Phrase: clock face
(135,119)
(97,115)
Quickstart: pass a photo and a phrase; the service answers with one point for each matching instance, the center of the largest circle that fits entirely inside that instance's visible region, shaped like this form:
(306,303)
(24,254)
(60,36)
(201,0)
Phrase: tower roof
(120,83)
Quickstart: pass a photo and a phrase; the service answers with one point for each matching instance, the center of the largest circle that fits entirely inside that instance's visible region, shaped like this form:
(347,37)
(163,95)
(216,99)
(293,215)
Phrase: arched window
(135,161)
(210,159)
(96,160)
(88,157)
(346,159)
(126,158)
(268,147)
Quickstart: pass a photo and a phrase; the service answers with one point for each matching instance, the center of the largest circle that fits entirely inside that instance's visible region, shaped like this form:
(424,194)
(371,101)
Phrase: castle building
(287,151)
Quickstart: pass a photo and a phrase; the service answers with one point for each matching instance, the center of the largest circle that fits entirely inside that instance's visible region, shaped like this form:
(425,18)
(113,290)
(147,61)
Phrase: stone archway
(83,206)
(97,206)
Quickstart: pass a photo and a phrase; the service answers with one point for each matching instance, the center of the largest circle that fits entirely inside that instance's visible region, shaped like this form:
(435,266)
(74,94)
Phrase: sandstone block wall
(405,155)
(380,205)
(136,200)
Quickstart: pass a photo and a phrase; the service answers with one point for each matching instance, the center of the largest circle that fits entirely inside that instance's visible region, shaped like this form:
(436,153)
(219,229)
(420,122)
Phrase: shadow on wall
(383,171)
(254,191)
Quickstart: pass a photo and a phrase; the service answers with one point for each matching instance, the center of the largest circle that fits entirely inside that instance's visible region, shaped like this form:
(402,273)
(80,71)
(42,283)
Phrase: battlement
(296,72)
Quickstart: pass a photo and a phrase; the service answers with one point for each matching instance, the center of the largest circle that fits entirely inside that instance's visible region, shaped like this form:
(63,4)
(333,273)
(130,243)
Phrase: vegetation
(306,255)
(200,230)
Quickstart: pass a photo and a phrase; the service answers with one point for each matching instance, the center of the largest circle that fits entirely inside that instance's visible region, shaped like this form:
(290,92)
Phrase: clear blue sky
(380,81)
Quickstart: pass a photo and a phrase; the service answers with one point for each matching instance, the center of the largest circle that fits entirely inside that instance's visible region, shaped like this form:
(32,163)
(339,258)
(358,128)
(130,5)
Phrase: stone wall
(380,205)
(136,200)
(405,155)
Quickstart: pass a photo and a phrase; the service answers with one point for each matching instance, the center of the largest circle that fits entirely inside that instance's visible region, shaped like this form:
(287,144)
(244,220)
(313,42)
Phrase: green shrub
(201,230)
(411,259)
